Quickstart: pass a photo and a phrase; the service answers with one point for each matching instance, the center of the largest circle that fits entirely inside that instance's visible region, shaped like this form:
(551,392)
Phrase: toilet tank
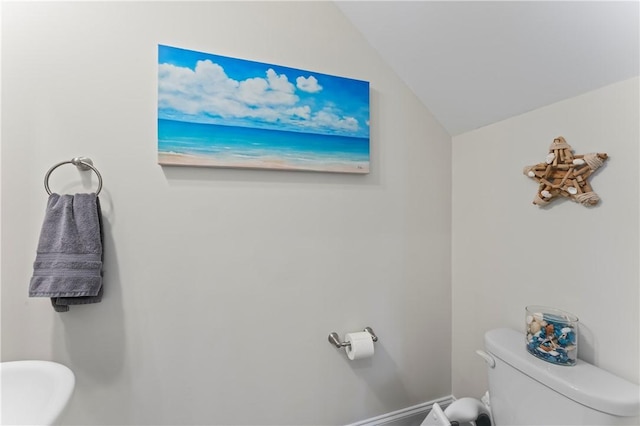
(525,390)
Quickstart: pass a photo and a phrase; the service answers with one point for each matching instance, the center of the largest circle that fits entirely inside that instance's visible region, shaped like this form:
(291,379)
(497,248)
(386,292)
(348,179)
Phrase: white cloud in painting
(206,93)
(328,118)
(303,112)
(309,84)
(274,90)
(208,89)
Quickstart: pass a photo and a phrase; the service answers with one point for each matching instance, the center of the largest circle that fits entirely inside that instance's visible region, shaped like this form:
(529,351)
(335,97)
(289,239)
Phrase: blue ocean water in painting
(247,143)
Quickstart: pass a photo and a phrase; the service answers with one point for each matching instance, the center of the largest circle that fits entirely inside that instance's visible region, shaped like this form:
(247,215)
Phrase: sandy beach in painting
(175,159)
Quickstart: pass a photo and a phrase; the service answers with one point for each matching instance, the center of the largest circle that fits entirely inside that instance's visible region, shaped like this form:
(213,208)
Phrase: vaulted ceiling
(474,63)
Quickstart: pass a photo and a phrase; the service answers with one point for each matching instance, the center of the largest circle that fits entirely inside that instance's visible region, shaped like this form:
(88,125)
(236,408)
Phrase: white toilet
(525,390)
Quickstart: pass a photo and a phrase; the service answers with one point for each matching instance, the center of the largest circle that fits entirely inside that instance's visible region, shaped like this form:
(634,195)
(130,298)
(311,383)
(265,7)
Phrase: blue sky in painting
(206,88)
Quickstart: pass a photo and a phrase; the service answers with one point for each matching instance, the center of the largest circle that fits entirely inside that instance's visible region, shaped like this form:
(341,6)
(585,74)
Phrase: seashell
(545,194)
(578,161)
(529,319)
(535,327)
(538,317)
(566,330)
(531,174)
(550,157)
(572,190)
(553,353)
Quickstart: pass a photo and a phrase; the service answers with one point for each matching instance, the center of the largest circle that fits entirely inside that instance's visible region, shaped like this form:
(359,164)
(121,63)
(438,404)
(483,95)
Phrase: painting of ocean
(217,111)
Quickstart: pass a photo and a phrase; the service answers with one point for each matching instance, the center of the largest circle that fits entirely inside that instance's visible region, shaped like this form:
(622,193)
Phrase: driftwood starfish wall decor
(564,174)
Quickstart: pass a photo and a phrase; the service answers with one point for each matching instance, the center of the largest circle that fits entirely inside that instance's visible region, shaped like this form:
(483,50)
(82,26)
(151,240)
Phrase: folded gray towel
(68,265)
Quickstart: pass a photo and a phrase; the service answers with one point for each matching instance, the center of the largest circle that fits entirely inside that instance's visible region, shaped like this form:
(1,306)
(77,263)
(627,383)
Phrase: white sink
(34,392)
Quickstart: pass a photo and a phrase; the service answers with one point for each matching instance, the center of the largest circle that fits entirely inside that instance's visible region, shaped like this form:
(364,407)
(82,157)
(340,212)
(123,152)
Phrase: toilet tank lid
(583,382)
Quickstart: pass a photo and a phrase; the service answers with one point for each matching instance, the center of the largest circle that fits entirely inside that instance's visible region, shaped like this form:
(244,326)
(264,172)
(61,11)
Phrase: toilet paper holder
(334,339)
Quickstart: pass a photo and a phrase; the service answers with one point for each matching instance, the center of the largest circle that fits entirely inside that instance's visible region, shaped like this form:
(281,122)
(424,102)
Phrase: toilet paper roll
(361,345)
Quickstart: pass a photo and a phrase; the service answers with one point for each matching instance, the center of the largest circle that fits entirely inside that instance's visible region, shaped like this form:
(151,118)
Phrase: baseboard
(407,416)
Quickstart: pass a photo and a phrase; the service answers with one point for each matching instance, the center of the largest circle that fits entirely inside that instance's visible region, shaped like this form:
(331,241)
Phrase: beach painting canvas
(219,111)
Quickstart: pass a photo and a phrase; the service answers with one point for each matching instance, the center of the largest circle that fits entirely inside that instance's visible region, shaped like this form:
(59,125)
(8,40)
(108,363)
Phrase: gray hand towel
(68,265)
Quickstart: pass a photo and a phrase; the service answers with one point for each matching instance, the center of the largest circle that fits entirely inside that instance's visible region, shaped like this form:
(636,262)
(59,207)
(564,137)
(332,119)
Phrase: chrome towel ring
(82,163)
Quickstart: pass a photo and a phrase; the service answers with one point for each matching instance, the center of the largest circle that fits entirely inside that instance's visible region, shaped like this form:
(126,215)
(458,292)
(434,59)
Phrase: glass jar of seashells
(552,334)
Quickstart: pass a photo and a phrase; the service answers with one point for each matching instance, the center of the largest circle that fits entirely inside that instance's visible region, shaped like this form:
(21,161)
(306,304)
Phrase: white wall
(508,253)
(222,285)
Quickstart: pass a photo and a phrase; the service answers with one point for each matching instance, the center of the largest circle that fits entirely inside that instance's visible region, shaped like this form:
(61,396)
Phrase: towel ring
(82,163)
